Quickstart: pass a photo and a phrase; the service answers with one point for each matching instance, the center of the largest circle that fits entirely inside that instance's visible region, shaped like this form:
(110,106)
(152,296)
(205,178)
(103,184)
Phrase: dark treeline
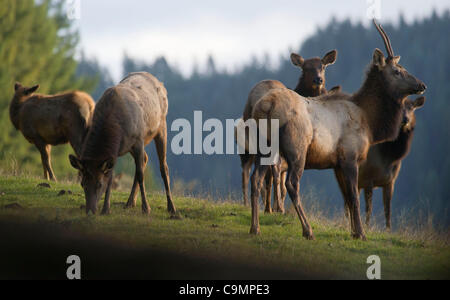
(425,50)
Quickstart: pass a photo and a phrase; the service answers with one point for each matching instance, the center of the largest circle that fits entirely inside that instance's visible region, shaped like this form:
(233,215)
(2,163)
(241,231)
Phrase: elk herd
(363,136)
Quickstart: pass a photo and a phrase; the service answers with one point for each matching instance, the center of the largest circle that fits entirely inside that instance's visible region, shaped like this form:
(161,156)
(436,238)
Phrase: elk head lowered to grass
(47,121)
(127,118)
(337,134)
(311,84)
(384,161)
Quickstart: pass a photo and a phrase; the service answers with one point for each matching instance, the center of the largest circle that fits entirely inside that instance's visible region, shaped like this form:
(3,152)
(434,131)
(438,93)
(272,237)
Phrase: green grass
(220,231)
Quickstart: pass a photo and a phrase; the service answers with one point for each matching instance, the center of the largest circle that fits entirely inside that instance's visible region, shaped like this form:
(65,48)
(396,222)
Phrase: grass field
(216,233)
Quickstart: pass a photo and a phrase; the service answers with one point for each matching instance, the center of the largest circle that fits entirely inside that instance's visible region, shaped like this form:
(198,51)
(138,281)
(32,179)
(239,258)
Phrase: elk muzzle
(421,88)
(318,81)
(93,195)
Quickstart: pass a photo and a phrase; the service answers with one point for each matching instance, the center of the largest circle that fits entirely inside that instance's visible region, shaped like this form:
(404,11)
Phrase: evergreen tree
(92,68)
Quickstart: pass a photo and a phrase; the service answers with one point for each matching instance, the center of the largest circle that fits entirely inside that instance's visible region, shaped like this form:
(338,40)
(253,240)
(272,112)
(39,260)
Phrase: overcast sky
(186,32)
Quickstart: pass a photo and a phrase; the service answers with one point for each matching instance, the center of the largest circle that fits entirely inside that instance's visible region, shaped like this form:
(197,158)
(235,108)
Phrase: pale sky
(186,32)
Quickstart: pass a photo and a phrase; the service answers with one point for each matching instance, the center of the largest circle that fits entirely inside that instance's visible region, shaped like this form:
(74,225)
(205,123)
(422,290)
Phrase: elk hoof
(172,211)
(175,217)
(129,205)
(255,231)
(105,212)
(359,236)
(146,211)
(309,236)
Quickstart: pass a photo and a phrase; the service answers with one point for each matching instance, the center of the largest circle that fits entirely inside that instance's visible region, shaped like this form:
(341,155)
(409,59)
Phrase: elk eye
(397,72)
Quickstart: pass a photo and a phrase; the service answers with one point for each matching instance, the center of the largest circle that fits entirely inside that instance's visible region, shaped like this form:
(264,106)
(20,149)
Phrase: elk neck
(383,111)
(14,110)
(398,149)
(104,136)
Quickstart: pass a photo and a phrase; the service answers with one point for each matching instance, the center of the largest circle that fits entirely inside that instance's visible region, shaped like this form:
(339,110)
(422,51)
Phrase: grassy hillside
(214,237)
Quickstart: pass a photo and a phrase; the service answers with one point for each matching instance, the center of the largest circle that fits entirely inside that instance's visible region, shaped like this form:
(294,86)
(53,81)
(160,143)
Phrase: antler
(386,40)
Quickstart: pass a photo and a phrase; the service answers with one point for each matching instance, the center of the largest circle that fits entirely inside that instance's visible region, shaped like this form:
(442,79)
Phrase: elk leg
(341,182)
(281,204)
(107,205)
(388,192)
(263,193)
(133,195)
(139,157)
(76,140)
(350,175)
(247,162)
(161,148)
(257,183)
(268,194)
(48,150)
(368,195)
(276,188)
(293,186)
(45,159)
(132,199)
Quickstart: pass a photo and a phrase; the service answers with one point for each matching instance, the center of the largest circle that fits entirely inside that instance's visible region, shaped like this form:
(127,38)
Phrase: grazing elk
(47,121)
(127,118)
(384,162)
(337,134)
(311,84)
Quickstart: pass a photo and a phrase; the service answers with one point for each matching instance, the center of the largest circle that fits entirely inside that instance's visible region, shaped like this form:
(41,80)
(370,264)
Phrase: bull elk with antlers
(335,131)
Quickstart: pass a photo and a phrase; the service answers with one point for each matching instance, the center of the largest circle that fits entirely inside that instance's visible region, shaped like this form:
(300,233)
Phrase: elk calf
(126,119)
(311,84)
(47,121)
(384,162)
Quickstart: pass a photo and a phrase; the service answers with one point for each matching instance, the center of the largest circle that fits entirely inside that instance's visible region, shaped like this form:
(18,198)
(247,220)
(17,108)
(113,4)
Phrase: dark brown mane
(383,110)
(398,149)
(14,110)
(104,137)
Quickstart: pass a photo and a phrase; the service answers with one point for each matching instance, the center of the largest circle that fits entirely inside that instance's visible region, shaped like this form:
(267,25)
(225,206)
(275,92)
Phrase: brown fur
(318,134)
(127,118)
(47,121)
(383,164)
(311,83)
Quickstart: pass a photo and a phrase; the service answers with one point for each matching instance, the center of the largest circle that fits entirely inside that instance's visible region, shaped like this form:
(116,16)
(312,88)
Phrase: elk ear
(396,59)
(378,59)
(336,89)
(297,60)
(75,162)
(330,58)
(17,86)
(32,90)
(420,102)
(108,165)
